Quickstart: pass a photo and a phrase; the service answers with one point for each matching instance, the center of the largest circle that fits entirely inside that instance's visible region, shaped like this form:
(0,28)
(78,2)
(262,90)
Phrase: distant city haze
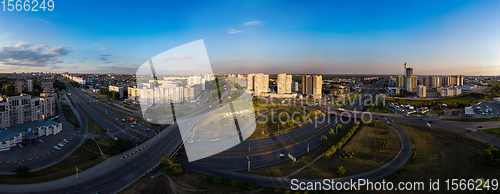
(363,37)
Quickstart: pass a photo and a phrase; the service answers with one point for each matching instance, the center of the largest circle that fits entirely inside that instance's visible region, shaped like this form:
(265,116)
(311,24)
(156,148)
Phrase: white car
(134,123)
(65,140)
(190,140)
(57,148)
(132,126)
(198,140)
(214,139)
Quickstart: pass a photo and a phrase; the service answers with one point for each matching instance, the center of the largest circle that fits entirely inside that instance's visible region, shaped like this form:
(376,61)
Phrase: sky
(443,37)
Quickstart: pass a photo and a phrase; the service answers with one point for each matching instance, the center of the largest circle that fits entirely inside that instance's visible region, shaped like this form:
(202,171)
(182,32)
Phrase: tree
(323,138)
(10,89)
(339,126)
(171,166)
(290,123)
(492,156)
(23,171)
(341,170)
(331,132)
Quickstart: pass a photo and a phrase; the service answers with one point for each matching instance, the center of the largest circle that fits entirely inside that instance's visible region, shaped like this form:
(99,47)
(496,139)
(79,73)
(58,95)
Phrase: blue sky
(337,37)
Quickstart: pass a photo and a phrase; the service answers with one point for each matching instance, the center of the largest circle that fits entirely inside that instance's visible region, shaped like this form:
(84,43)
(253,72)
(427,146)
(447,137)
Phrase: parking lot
(487,109)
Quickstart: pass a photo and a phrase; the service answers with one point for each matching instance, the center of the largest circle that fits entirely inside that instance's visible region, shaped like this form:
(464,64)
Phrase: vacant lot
(367,154)
(444,155)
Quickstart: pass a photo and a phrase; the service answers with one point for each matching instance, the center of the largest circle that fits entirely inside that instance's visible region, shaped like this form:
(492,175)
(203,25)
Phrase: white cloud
(23,55)
(233,31)
(253,23)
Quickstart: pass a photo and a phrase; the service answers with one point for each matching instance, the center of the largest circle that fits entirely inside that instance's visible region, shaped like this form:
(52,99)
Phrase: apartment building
(284,82)
(312,85)
(118,89)
(24,108)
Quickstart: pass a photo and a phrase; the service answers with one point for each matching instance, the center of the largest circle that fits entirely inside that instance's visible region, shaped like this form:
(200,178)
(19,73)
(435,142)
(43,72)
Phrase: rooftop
(11,130)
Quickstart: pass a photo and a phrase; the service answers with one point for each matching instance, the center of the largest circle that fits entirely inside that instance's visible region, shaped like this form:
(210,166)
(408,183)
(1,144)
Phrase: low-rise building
(13,135)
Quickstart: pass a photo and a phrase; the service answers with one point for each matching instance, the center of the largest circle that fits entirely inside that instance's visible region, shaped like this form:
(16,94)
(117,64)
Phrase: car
(469,130)
(382,116)
(13,170)
(60,144)
(190,140)
(20,145)
(189,124)
(214,139)
(376,118)
(132,126)
(282,155)
(123,120)
(273,138)
(124,132)
(480,126)
(198,140)
(148,129)
(40,140)
(116,119)
(385,118)
(116,138)
(65,140)
(421,119)
(407,115)
(56,147)
(134,123)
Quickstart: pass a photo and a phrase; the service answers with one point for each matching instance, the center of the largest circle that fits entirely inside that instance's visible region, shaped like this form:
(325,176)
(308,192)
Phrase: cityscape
(250,97)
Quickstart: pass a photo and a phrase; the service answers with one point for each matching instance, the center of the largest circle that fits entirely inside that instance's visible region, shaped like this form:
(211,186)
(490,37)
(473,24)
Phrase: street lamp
(248,158)
(77,172)
(307,146)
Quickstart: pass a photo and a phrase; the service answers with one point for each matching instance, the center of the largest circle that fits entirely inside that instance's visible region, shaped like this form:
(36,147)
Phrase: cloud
(233,31)
(253,23)
(103,48)
(22,54)
(103,57)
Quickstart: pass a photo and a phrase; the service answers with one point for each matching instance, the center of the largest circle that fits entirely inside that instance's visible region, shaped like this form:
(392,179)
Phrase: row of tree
(342,142)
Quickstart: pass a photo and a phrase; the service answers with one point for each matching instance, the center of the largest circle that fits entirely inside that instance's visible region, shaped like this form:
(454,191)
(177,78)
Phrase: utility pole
(307,146)
(77,172)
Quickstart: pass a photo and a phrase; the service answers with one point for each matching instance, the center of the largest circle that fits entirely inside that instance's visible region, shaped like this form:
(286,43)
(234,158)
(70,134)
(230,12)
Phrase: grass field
(475,119)
(444,155)
(84,157)
(288,167)
(120,108)
(147,185)
(93,126)
(493,132)
(272,126)
(70,117)
(367,155)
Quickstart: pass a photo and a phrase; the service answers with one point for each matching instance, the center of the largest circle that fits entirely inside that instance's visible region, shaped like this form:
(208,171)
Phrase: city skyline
(269,37)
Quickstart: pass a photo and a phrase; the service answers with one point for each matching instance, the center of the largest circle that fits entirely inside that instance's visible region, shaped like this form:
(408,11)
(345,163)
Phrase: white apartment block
(284,83)
(118,89)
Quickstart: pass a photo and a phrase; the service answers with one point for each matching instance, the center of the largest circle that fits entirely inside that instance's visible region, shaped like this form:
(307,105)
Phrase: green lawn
(93,126)
(68,113)
(475,119)
(493,132)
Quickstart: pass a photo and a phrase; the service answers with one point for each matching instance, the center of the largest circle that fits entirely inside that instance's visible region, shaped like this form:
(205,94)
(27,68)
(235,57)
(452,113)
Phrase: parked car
(123,120)
(13,170)
(214,139)
(40,140)
(190,140)
(60,144)
(134,123)
(132,126)
(274,138)
(282,155)
(198,140)
(57,148)
(65,140)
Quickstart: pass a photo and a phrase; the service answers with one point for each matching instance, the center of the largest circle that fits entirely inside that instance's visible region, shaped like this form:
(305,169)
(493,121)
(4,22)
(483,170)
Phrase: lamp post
(248,158)
(77,172)
(307,146)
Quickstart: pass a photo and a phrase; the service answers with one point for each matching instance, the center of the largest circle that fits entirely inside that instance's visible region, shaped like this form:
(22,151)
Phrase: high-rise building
(421,91)
(29,84)
(409,79)
(24,108)
(19,86)
(284,83)
(306,84)
(261,83)
(250,80)
(399,81)
(435,82)
(312,85)
(295,86)
(118,89)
